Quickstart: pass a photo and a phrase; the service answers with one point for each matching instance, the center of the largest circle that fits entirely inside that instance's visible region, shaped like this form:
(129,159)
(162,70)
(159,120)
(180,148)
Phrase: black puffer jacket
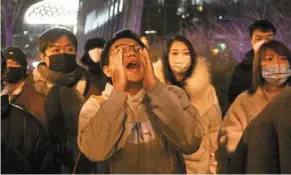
(25,145)
(241,79)
(265,147)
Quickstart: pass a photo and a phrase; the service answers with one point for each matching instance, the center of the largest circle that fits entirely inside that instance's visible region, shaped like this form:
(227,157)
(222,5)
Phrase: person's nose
(130,53)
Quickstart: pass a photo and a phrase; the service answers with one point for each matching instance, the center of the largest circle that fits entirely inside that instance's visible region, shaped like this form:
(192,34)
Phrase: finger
(118,59)
(147,56)
(143,57)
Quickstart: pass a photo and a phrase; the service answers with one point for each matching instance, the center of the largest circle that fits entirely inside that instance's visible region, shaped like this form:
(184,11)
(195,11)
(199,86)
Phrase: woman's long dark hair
(277,47)
(168,74)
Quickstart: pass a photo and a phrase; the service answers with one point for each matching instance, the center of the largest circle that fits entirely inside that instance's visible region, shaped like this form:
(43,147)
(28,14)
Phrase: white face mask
(95,54)
(257,45)
(277,74)
(179,63)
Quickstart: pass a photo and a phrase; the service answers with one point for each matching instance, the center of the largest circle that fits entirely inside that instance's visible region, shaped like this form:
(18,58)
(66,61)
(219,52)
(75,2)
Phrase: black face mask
(63,62)
(14,74)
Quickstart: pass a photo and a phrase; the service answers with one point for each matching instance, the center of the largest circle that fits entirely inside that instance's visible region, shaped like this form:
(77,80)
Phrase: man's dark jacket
(241,79)
(25,147)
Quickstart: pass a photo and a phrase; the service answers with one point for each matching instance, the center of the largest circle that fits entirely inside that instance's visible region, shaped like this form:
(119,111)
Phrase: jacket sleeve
(178,120)
(102,134)
(232,127)
(215,117)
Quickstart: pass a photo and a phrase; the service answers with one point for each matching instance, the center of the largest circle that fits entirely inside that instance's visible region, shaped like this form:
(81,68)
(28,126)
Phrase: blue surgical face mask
(277,74)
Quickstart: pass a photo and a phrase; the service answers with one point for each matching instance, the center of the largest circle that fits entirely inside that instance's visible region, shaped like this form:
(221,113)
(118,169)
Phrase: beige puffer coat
(203,97)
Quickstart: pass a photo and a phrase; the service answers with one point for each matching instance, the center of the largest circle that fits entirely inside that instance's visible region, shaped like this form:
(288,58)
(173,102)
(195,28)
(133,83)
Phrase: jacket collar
(200,79)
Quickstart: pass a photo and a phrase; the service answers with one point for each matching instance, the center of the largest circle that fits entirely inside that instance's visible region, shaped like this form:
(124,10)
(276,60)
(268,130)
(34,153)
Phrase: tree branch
(17,12)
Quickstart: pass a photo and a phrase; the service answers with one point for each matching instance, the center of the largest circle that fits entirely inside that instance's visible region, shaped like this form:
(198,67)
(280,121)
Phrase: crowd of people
(118,112)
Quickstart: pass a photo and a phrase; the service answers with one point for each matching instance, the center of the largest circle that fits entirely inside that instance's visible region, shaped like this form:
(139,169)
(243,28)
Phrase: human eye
(124,48)
(174,53)
(70,49)
(258,39)
(55,50)
(186,53)
(137,47)
(283,58)
(268,58)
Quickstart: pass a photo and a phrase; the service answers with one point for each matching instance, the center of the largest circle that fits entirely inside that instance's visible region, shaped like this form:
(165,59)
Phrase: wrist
(119,88)
(151,84)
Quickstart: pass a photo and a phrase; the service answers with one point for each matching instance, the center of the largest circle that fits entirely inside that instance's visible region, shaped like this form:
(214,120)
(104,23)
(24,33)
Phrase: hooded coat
(241,79)
(203,97)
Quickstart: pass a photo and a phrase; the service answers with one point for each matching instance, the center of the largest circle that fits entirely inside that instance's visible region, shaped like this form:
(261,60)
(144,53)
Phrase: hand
(149,79)
(118,74)
(257,45)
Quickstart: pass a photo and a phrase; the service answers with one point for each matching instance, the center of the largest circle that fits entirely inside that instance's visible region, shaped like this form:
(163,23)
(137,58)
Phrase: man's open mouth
(132,65)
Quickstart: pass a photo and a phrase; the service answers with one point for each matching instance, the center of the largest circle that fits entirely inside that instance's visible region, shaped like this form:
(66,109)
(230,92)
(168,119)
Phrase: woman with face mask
(271,76)
(91,61)
(182,67)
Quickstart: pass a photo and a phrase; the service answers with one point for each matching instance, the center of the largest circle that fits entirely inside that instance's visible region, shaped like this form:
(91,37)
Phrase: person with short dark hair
(20,91)
(65,86)
(271,76)
(139,124)
(25,146)
(91,59)
(181,66)
(260,31)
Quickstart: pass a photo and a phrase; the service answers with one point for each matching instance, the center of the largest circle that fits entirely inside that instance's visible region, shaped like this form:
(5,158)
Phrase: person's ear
(44,58)
(106,71)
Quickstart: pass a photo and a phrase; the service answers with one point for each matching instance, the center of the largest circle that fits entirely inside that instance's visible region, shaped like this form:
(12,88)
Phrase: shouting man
(138,123)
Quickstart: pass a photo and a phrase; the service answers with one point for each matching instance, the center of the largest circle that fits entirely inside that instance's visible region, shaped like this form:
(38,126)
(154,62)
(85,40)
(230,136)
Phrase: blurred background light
(35,63)
(53,12)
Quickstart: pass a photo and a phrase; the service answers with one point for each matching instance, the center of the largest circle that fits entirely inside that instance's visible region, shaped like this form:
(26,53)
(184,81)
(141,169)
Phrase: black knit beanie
(94,43)
(16,54)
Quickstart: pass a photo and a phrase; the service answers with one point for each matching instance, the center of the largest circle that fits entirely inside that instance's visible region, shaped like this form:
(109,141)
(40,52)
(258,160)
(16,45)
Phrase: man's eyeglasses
(126,48)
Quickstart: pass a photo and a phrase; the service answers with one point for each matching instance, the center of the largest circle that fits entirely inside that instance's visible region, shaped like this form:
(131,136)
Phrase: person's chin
(134,80)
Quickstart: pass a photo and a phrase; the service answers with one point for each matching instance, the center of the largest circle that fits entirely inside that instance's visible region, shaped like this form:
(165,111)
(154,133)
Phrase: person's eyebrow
(58,45)
(174,50)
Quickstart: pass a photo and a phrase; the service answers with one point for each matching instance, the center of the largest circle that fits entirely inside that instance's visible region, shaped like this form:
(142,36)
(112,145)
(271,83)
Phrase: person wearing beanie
(25,147)
(20,91)
(64,85)
(141,125)
(91,60)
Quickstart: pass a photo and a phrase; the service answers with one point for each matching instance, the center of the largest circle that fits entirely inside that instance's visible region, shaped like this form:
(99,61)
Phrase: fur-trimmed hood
(199,80)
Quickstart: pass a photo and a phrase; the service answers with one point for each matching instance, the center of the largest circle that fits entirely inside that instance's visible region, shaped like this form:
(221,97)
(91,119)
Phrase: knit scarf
(44,78)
